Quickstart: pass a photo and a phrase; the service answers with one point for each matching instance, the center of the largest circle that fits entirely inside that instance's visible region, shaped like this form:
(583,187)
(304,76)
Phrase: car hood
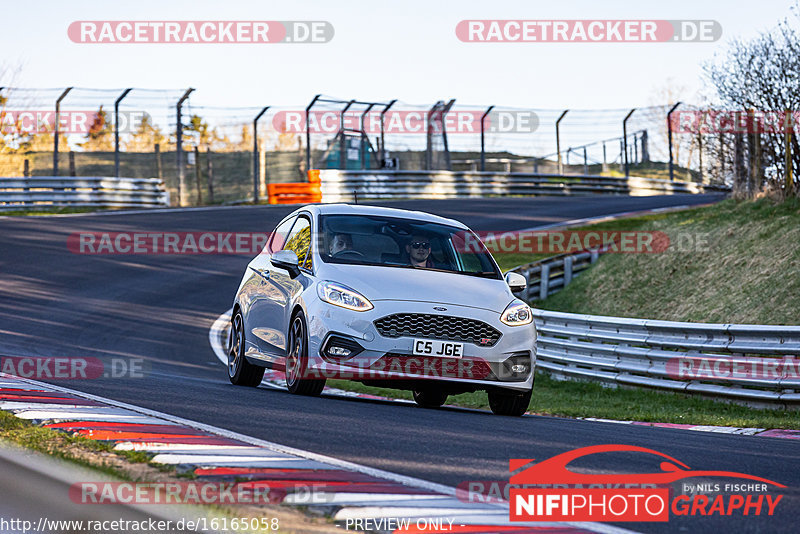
(396,283)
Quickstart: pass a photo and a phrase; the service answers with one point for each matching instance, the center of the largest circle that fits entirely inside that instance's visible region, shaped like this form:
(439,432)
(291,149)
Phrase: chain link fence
(229,154)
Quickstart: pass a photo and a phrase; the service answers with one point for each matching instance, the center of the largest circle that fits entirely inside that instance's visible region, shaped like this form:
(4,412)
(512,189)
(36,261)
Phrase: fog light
(519,368)
(339,351)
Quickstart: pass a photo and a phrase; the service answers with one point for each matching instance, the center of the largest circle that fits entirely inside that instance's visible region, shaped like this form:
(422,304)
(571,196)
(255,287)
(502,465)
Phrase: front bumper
(378,358)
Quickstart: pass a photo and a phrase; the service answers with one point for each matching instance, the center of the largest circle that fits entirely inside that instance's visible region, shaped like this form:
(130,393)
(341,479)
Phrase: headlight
(341,295)
(517,314)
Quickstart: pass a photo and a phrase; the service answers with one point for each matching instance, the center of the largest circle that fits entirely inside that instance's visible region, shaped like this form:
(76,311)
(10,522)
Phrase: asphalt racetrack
(159,308)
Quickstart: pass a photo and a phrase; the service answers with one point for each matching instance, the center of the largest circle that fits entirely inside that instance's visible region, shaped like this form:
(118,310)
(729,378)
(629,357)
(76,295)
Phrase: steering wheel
(341,253)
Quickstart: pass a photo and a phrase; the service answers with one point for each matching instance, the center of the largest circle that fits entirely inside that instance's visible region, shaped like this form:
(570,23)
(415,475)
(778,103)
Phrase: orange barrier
(295,193)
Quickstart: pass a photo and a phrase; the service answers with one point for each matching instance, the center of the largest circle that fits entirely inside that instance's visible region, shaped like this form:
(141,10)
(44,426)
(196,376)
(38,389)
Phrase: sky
(381,50)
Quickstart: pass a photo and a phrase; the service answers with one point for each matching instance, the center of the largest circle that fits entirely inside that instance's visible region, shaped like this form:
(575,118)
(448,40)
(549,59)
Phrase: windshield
(405,243)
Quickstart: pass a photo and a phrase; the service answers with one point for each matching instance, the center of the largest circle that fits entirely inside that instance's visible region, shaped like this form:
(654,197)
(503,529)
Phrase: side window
(279,235)
(299,241)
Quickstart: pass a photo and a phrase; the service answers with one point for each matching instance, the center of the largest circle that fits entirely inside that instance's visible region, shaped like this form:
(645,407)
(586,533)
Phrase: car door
(256,291)
(279,290)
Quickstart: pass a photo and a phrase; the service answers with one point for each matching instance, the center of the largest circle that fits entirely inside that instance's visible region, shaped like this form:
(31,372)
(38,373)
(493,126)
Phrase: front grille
(437,327)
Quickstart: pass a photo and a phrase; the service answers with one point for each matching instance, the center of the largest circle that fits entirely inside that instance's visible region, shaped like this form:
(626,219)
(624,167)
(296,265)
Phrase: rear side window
(279,235)
(299,241)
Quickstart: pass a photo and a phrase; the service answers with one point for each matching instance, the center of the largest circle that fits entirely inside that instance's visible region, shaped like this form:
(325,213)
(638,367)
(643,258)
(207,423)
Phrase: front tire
(240,371)
(507,403)
(297,361)
(428,398)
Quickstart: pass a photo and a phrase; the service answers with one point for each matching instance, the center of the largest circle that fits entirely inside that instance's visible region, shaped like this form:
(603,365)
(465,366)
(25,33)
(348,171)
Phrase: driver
(419,251)
(340,243)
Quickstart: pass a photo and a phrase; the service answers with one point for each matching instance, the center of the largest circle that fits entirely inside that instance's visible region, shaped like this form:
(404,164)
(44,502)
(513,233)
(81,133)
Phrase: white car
(387,297)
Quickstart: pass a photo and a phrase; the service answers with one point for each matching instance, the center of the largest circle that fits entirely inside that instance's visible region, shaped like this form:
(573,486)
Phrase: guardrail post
(116,129)
(483,148)
(593,255)
(545,281)
(625,139)
(568,270)
(256,158)
(605,160)
(179,148)
(55,138)
(669,139)
(558,141)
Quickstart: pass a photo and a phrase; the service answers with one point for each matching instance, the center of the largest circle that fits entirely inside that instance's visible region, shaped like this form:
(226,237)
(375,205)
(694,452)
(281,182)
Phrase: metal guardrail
(341,186)
(753,363)
(552,274)
(50,191)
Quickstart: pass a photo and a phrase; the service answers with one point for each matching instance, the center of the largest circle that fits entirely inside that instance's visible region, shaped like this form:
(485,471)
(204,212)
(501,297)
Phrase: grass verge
(733,262)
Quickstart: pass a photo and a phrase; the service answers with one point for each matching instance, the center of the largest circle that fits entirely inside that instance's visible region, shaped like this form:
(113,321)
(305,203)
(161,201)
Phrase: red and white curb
(342,490)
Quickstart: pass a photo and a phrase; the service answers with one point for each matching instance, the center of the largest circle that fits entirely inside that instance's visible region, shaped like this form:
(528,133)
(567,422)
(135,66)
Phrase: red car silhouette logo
(554,470)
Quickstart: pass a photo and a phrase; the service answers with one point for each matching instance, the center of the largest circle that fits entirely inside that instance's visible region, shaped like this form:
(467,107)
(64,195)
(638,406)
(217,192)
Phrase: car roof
(362,209)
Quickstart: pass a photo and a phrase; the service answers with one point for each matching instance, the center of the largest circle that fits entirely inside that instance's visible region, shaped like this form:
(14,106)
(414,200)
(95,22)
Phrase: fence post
(383,139)
(568,269)
(179,148)
(72,171)
(669,139)
(210,175)
(308,132)
(545,281)
(585,162)
(256,158)
(159,172)
(645,148)
(55,138)
(558,141)
(605,158)
(483,147)
(789,182)
(625,139)
(197,175)
(116,130)
(26,168)
(739,186)
(700,156)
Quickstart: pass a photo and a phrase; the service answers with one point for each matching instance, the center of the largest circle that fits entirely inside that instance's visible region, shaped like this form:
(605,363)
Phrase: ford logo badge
(439,308)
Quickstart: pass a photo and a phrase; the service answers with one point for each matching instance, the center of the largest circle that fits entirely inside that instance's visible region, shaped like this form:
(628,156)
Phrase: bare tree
(762,74)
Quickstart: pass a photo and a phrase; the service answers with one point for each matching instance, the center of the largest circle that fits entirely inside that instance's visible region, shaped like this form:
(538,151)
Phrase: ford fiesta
(387,297)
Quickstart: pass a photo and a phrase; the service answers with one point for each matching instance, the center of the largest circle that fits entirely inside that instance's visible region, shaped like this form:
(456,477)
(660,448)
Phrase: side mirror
(286,259)
(516,282)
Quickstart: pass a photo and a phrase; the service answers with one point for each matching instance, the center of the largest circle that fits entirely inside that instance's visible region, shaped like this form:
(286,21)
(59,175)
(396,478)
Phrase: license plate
(432,347)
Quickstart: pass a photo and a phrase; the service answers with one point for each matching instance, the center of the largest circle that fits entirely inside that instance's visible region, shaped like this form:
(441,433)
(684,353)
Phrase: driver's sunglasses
(420,244)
